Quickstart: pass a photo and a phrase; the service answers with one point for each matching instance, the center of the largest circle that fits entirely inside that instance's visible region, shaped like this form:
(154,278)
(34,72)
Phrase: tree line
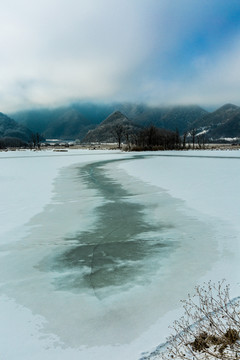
(153,138)
(15,142)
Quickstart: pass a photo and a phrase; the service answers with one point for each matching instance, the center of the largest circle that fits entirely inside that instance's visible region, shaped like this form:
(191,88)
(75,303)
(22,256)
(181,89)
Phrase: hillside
(229,129)
(181,117)
(74,121)
(115,128)
(168,117)
(11,129)
(70,122)
(78,121)
(222,123)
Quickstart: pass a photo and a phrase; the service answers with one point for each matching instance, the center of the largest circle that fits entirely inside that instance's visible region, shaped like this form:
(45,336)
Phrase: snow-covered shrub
(210,327)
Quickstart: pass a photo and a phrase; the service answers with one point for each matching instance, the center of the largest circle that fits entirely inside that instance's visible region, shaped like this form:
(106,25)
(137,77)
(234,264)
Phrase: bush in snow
(210,327)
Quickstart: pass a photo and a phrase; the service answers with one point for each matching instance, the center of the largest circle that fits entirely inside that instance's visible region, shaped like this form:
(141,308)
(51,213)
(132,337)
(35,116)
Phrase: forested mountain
(181,117)
(222,123)
(74,121)
(71,122)
(11,129)
(113,129)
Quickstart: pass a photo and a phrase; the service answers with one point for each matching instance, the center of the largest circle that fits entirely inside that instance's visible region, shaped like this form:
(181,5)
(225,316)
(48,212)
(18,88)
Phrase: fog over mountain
(79,119)
(75,121)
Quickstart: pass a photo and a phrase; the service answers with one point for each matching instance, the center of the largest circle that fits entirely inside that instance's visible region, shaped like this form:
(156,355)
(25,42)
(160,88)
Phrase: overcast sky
(154,51)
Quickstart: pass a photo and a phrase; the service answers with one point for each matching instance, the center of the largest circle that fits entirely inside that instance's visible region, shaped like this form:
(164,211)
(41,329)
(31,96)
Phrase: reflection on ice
(119,251)
(111,264)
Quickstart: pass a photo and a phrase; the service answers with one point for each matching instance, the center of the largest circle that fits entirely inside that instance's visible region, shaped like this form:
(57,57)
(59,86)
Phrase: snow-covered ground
(182,207)
(208,183)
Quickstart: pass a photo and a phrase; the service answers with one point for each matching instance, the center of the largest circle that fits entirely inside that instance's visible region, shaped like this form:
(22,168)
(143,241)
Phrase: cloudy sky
(154,51)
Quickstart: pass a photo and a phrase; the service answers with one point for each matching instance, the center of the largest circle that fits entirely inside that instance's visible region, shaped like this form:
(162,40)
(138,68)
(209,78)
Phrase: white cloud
(55,51)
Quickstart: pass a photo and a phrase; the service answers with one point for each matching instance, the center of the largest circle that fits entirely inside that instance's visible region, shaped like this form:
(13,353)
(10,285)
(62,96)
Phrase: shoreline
(106,146)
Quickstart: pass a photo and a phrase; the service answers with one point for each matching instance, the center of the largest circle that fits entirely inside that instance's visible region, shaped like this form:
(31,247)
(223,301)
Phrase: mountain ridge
(221,123)
(76,120)
(49,122)
(112,129)
(9,128)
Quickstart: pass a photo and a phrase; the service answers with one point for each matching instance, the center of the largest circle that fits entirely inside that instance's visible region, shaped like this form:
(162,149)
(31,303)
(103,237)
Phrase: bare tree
(184,140)
(178,139)
(118,133)
(36,140)
(193,135)
(210,327)
(129,136)
(201,140)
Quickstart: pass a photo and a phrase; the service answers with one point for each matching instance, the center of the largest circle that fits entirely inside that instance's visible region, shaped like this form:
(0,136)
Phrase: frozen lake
(98,248)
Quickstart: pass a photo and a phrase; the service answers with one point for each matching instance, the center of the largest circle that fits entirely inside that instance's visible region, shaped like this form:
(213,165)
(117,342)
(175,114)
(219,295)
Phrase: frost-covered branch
(210,327)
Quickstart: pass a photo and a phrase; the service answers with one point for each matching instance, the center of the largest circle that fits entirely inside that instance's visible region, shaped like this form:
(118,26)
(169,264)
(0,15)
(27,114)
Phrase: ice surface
(97,248)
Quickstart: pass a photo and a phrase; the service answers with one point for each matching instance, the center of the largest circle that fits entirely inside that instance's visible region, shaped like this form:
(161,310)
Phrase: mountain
(113,129)
(74,121)
(70,122)
(11,129)
(168,117)
(222,123)
(68,125)
(230,129)
(180,117)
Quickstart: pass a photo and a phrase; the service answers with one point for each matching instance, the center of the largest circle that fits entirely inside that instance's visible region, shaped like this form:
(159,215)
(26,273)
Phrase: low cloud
(157,51)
